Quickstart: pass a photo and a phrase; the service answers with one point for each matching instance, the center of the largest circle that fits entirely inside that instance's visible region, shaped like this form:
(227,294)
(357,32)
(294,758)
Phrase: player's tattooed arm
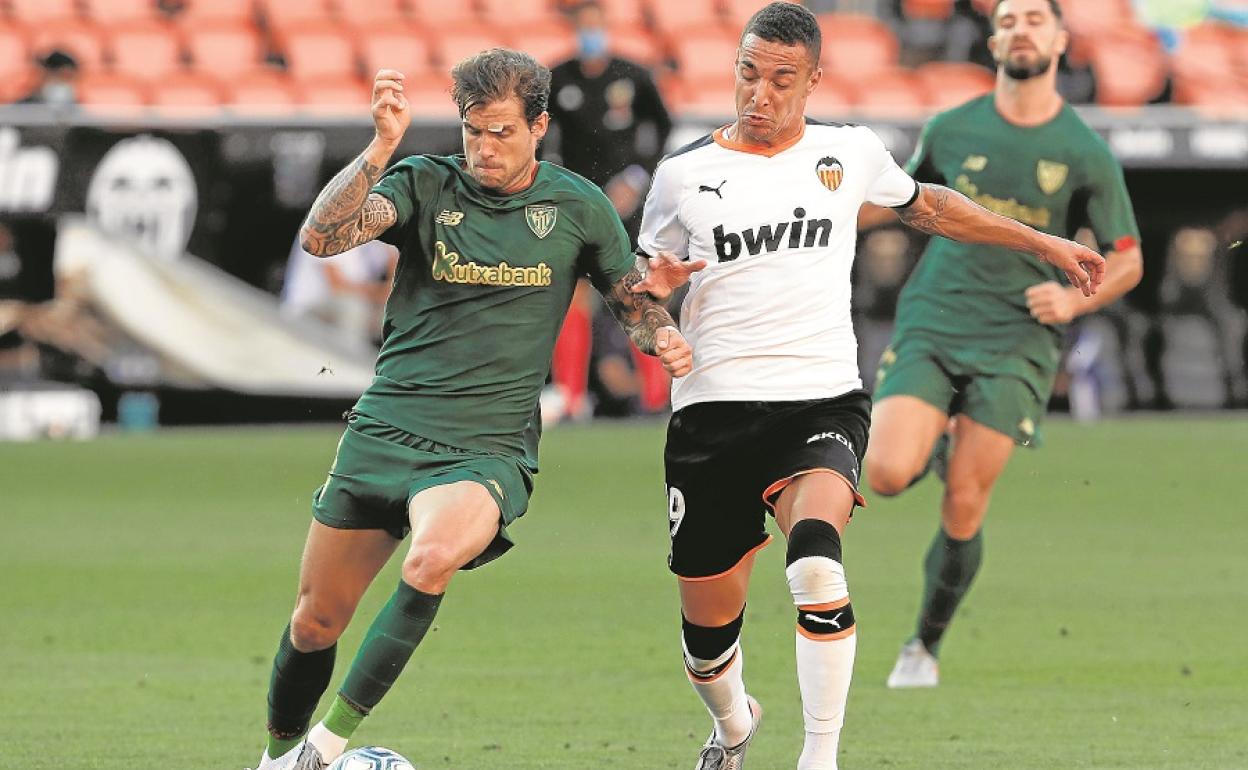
(640,314)
(346,214)
(649,325)
(940,211)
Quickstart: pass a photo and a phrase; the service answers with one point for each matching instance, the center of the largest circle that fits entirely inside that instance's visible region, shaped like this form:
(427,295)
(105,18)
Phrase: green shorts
(378,470)
(1007,394)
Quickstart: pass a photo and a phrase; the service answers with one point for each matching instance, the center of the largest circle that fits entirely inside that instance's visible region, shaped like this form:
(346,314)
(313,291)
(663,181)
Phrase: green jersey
(1054,177)
(482,286)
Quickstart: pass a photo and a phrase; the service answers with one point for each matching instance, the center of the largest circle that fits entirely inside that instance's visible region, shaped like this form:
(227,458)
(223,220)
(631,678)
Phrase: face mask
(58,93)
(592,43)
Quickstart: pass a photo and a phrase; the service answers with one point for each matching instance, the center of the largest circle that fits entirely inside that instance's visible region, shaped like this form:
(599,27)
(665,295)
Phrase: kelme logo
(541,219)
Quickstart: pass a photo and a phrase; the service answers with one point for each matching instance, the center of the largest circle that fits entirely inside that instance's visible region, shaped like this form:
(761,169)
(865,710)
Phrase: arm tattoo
(928,217)
(640,314)
(346,214)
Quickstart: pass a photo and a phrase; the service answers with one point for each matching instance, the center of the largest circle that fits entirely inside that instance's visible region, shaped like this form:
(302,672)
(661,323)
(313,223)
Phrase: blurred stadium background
(150,195)
(149,198)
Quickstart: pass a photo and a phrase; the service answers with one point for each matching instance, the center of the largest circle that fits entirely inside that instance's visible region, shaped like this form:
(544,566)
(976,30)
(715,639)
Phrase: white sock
(723,694)
(330,745)
(280,763)
(819,752)
(825,655)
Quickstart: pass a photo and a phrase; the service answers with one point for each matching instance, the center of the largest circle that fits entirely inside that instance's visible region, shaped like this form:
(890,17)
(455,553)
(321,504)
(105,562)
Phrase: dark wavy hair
(787,23)
(498,74)
(1057,11)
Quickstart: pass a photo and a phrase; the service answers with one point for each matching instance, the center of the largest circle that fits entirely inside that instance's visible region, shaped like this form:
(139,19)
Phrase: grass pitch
(146,579)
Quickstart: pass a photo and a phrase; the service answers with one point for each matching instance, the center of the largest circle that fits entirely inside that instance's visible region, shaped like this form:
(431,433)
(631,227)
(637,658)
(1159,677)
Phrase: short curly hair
(498,74)
(787,23)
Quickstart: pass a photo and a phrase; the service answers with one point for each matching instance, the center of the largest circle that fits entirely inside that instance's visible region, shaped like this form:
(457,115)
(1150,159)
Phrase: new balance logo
(833,621)
(449,218)
(707,188)
(801,233)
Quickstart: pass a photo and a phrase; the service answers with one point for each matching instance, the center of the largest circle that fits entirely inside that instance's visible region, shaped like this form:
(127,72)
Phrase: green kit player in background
(443,443)
(979,328)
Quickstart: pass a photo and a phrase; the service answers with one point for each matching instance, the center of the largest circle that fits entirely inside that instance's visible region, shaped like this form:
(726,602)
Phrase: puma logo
(835,621)
(707,188)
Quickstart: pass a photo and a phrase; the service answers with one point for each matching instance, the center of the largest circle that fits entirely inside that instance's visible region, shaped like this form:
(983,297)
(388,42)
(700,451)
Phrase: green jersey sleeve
(607,255)
(920,166)
(400,185)
(1108,205)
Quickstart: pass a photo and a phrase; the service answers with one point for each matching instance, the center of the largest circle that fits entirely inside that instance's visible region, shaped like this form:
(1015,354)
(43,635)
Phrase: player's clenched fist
(391,116)
(673,351)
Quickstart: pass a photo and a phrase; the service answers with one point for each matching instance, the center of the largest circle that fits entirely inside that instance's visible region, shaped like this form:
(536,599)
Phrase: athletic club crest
(830,172)
(541,219)
(1051,175)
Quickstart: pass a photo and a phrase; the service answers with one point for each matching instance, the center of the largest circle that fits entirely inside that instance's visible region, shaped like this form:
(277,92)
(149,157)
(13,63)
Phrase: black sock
(296,685)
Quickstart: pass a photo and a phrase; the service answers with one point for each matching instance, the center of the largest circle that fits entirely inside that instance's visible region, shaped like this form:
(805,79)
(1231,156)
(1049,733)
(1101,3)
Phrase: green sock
(949,569)
(296,684)
(279,746)
(343,718)
(389,643)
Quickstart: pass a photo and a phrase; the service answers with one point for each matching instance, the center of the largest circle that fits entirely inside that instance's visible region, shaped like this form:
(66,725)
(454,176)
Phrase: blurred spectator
(1202,362)
(348,292)
(58,77)
(609,124)
(26,285)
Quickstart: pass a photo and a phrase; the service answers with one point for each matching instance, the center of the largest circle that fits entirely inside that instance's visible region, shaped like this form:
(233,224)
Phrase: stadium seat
(707,58)
(676,19)
(624,13)
(892,94)
(452,47)
(1205,52)
(264,92)
(217,11)
(1130,68)
(110,90)
(832,100)
(738,12)
(146,51)
(84,41)
(35,13)
(318,51)
(635,44)
(186,94)
(1086,18)
(522,14)
(340,96)
(281,14)
(856,46)
(224,51)
(706,101)
(403,51)
(549,47)
(948,84)
(443,16)
(114,11)
(929,10)
(430,97)
(378,15)
(15,54)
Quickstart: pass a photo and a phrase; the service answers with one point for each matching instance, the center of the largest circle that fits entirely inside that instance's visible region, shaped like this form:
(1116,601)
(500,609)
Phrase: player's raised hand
(1052,303)
(665,273)
(391,115)
(1083,267)
(673,351)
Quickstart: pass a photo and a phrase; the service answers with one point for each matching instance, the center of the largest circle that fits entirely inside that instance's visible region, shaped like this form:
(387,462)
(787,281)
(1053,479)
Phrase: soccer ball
(371,758)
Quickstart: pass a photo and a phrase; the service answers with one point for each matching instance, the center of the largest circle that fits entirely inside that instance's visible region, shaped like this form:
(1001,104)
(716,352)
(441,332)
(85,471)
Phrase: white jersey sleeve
(892,186)
(661,228)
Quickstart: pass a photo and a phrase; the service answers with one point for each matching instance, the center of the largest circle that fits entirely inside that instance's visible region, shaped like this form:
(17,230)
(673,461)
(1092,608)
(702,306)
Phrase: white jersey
(769,318)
